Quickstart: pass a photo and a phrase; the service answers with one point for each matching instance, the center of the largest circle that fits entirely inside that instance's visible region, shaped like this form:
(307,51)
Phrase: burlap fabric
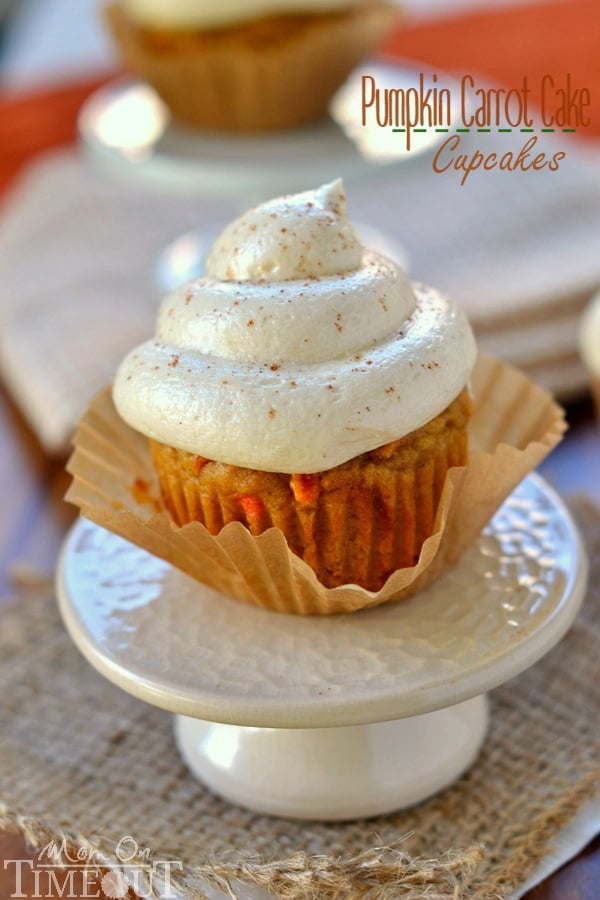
(80,758)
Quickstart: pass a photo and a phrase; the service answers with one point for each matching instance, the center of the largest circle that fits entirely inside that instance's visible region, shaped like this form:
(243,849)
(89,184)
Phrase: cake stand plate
(184,258)
(329,717)
(128,130)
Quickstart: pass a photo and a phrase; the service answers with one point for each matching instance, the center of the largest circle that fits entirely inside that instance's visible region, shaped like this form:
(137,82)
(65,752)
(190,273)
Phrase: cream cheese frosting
(299,349)
(207,14)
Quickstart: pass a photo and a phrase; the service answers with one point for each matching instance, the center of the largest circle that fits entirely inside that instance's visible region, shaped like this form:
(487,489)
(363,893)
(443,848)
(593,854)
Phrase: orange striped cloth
(32,123)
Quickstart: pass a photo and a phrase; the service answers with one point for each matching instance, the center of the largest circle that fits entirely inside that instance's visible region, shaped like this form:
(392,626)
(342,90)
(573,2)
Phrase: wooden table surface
(34,519)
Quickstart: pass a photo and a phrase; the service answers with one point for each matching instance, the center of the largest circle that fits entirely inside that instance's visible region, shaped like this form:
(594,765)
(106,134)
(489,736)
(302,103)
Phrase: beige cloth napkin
(78,257)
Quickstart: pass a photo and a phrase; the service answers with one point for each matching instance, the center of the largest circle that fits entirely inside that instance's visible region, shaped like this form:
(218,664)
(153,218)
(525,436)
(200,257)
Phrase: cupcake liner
(514,426)
(230,80)
(355,523)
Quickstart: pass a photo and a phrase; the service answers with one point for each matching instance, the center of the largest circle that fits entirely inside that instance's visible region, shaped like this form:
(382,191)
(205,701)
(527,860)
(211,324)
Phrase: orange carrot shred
(305,488)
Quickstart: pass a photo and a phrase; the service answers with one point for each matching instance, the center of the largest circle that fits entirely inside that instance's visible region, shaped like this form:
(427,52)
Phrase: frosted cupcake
(244,66)
(305,384)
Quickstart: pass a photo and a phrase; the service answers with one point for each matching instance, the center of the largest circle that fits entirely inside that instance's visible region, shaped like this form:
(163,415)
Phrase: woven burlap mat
(80,758)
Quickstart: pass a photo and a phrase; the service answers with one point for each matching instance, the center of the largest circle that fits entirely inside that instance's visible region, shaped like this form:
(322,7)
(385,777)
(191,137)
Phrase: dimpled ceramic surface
(181,646)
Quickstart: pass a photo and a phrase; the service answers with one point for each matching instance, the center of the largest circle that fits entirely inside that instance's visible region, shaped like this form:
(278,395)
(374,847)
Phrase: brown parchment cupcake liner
(249,78)
(514,426)
(354,523)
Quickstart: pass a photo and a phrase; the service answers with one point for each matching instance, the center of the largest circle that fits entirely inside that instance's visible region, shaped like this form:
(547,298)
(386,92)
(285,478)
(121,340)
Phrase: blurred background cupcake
(247,66)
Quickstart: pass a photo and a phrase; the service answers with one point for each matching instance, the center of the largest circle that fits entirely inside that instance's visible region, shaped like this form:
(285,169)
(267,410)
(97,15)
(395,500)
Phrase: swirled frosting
(299,349)
(207,14)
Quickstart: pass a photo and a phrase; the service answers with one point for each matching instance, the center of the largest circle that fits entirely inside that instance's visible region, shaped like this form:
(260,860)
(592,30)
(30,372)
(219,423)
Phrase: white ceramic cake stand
(127,130)
(336,717)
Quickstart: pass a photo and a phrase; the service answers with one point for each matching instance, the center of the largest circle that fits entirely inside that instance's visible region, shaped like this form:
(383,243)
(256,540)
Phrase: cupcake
(305,384)
(238,66)
(589,346)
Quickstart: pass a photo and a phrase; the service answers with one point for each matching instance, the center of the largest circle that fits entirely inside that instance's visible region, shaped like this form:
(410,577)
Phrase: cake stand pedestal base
(330,774)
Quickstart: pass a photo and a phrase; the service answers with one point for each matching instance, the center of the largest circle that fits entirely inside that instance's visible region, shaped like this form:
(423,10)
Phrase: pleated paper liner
(355,523)
(260,76)
(515,424)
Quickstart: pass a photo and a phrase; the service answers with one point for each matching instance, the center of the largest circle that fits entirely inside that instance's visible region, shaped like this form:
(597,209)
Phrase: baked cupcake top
(207,14)
(299,349)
